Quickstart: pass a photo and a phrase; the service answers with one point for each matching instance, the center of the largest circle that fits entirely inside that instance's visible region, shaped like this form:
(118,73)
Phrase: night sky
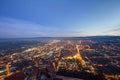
(59,18)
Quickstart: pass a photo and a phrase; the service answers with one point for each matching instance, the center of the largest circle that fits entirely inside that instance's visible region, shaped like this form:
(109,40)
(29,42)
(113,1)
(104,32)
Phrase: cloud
(68,34)
(10,27)
(113,30)
(19,28)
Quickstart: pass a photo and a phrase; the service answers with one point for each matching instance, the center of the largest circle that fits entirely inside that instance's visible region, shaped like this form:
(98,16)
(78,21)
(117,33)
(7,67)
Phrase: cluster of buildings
(91,56)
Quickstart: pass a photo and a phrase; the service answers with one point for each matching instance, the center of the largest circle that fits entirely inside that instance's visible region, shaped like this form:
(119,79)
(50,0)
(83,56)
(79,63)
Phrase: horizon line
(64,37)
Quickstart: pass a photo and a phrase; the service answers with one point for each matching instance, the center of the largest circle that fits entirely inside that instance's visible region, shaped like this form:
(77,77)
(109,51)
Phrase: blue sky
(59,18)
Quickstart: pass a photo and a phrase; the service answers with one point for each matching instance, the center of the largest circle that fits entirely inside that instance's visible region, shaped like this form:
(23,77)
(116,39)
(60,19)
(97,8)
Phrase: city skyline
(59,18)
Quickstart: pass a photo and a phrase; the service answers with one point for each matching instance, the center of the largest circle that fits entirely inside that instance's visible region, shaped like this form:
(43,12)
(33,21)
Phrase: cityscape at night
(85,58)
(59,39)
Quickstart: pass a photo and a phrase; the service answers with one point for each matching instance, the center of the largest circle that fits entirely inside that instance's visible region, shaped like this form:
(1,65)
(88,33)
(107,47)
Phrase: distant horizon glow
(61,18)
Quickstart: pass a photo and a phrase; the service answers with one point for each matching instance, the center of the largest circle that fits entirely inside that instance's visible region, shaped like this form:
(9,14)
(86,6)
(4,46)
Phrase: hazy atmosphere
(59,39)
(59,18)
